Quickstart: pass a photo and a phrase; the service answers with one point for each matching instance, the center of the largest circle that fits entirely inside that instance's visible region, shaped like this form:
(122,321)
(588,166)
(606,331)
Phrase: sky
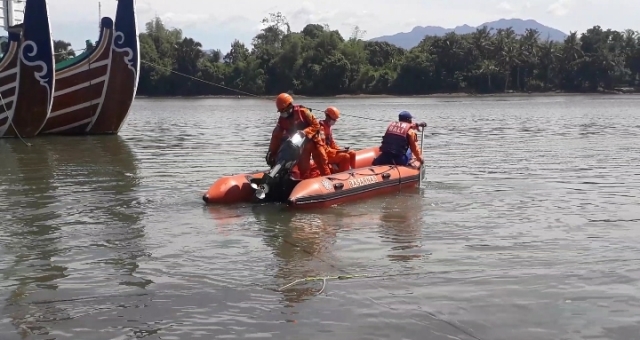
(216,23)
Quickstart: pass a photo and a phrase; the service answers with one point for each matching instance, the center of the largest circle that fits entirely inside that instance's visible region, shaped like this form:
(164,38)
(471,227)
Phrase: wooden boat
(26,73)
(80,86)
(123,73)
(364,181)
(94,91)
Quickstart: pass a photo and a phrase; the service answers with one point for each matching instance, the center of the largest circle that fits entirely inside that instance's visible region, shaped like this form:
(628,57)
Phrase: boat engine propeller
(287,158)
(261,190)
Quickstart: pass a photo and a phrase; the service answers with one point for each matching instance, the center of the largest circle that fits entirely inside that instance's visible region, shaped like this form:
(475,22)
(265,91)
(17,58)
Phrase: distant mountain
(411,39)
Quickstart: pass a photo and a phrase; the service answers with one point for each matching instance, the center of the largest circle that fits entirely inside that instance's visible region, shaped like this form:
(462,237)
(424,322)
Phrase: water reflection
(401,224)
(79,192)
(116,179)
(29,199)
(225,219)
(302,244)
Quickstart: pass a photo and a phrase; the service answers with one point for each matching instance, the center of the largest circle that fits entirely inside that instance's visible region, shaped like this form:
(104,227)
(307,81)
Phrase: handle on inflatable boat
(422,172)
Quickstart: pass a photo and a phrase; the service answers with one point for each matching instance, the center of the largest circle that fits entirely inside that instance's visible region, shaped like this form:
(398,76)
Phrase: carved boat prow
(26,73)
(123,74)
(95,90)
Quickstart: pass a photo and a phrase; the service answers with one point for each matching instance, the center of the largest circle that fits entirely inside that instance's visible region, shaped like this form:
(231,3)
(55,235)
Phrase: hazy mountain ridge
(411,39)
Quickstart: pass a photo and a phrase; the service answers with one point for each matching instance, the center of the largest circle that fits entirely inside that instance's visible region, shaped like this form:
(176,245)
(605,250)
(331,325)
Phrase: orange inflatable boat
(353,185)
(364,181)
(237,188)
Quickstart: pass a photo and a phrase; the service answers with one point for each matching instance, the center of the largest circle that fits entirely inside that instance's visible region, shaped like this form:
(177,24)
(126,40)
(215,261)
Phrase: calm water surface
(527,228)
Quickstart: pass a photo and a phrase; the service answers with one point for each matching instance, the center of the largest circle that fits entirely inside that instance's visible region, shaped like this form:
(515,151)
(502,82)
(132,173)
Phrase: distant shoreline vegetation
(381,96)
(318,61)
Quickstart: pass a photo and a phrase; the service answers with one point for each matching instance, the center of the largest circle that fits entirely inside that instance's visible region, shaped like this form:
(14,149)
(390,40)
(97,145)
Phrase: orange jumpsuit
(345,160)
(412,136)
(302,119)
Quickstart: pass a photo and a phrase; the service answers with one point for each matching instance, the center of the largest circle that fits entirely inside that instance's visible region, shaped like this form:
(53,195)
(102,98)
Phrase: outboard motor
(287,157)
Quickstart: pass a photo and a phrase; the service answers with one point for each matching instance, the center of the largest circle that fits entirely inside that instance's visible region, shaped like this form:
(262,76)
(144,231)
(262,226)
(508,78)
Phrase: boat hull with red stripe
(26,74)
(80,88)
(352,185)
(124,72)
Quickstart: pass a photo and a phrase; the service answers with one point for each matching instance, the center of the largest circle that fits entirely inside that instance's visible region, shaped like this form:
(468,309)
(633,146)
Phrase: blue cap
(405,115)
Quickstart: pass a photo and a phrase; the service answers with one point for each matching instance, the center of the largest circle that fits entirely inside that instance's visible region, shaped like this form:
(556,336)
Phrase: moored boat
(364,181)
(80,88)
(26,72)
(94,91)
(123,72)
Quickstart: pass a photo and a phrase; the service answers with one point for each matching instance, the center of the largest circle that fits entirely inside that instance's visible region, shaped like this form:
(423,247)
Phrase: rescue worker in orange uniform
(294,118)
(399,142)
(344,158)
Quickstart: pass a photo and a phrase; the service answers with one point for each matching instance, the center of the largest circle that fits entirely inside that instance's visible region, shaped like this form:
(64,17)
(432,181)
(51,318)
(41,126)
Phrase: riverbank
(435,95)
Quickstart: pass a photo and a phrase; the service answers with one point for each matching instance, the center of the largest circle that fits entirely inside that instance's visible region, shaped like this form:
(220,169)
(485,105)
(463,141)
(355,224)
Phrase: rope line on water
(243,92)
(323,279)
(349,276)
(202,80)
(224,87)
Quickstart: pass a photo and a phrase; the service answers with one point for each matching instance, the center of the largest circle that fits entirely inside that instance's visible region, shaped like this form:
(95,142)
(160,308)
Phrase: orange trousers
(352,158)
(342,159)
(319,154)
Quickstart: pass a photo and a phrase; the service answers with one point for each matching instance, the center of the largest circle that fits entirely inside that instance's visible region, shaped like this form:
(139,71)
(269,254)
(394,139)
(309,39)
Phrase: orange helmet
(283,100)
(332,112)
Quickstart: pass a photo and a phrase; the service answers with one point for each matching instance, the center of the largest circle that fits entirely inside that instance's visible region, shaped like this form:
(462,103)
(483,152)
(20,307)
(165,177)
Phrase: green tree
(62,51)
(320,61)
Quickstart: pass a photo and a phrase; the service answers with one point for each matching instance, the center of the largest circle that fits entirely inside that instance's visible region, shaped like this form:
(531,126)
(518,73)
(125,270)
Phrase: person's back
(399,142)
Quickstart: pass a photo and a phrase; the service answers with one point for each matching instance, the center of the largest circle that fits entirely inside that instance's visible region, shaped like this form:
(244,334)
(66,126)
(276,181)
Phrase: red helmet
(332,112)
(283,101)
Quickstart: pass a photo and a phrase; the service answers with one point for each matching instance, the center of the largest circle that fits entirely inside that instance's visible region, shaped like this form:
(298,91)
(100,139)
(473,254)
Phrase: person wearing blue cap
(399,142)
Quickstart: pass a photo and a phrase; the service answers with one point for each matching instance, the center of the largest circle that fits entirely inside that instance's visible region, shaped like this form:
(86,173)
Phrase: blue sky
(216,26)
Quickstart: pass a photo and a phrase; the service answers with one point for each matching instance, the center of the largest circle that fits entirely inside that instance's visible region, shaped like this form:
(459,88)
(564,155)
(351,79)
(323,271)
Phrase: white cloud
(144,7)
(561,7)
(184,20)
(515,8)
(217,24)
(505,6)
(343,20)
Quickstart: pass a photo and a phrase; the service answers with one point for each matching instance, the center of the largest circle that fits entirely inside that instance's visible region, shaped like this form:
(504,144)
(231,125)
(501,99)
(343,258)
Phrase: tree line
(319,61)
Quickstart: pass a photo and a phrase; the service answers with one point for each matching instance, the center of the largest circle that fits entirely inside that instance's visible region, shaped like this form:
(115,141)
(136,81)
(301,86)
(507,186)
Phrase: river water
(528,227)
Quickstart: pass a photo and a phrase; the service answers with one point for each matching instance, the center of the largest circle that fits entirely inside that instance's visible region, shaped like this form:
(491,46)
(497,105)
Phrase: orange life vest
(326,133)
(294,123)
